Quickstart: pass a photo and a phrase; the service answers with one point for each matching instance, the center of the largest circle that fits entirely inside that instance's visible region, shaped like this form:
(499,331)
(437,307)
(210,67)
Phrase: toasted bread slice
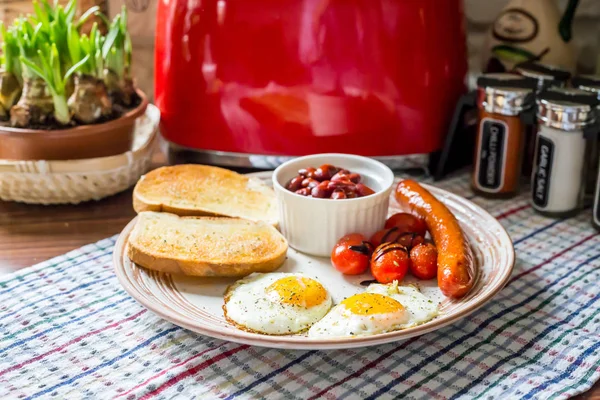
(199,190)
(205,246)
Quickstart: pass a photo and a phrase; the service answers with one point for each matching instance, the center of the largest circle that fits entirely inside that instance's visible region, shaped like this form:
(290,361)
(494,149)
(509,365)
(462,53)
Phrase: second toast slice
(205,246)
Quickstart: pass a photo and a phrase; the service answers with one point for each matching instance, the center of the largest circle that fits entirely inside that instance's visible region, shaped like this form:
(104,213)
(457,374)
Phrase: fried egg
(380,309)
(276,303)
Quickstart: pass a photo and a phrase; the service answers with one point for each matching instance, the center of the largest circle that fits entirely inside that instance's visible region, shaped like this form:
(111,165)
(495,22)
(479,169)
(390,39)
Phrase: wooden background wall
(141,28)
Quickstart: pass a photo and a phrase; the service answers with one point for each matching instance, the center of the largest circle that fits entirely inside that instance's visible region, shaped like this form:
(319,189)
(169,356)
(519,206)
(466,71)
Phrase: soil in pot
(71,143)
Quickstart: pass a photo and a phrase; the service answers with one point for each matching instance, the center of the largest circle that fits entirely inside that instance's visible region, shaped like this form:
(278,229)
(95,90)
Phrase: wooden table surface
(30,234)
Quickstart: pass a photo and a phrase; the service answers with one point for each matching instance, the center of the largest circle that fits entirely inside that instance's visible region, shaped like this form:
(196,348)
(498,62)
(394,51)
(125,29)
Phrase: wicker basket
(75,181)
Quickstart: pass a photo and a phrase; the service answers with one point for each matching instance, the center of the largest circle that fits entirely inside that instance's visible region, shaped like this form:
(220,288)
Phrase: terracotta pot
(85,141)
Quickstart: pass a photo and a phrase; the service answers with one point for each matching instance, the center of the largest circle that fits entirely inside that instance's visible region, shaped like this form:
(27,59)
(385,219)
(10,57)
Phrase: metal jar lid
(546,75)
(589,83)
(505,93)
(566,109)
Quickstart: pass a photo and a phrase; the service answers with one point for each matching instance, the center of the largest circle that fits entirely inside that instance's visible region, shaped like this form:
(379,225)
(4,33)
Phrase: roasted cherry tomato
(390,262)
(409,239)
(423,258)
(396,235)
(407,223)
(351,255)
(377,237)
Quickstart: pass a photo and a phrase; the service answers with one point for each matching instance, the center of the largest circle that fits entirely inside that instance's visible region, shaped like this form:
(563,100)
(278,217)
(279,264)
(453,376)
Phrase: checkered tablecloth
(68,330)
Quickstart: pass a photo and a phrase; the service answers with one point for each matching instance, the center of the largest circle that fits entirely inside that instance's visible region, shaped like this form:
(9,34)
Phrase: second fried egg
(382,308)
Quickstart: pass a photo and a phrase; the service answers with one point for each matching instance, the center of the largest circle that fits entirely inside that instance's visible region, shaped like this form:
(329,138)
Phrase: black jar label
(490,174)
(544,155)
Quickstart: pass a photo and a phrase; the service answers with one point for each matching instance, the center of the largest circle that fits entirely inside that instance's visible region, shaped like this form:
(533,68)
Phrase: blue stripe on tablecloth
(105,246)
(477,330)
(58,271)
(37,335)
(270,375)
(568,372)
(46,320)
(540,230)
(105,364)
(83,286)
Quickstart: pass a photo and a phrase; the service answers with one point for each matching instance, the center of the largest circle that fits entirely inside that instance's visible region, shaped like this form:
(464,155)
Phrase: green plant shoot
(51,74)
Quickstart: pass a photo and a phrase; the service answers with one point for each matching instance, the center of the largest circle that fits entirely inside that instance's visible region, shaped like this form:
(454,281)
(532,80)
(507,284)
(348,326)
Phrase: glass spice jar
(559,169)
(590,83)
(501,99)
(546,76)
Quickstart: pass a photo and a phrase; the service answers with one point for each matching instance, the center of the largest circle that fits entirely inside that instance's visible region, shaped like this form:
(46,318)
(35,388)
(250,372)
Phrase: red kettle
(241,81)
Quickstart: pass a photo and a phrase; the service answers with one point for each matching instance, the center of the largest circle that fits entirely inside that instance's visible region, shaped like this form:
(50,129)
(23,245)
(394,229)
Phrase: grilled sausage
(456,268)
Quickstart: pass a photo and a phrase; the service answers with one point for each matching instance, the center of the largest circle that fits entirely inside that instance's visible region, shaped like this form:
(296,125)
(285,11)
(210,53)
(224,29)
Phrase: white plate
(196,303)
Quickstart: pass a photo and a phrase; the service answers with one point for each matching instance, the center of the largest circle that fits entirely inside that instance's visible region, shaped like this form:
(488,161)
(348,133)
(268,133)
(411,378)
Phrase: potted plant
(66,94)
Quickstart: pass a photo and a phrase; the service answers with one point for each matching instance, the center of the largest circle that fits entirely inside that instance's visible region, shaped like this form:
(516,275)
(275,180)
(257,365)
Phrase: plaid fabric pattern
(68,330)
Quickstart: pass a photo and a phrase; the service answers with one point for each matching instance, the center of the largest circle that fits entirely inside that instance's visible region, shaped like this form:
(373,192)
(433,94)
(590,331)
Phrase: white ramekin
(313,225)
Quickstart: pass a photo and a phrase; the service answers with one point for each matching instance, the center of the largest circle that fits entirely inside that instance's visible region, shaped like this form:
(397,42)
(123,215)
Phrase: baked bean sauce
(328,182)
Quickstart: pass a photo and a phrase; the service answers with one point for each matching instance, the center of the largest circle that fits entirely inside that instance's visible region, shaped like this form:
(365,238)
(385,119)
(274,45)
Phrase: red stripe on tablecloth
(513,211)
(78,339)
(554,257)
(164,371)
(193,370)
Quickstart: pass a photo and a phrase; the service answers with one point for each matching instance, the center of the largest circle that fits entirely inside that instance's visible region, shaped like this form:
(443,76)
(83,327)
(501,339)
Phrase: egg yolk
(371,303)
(299,291)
